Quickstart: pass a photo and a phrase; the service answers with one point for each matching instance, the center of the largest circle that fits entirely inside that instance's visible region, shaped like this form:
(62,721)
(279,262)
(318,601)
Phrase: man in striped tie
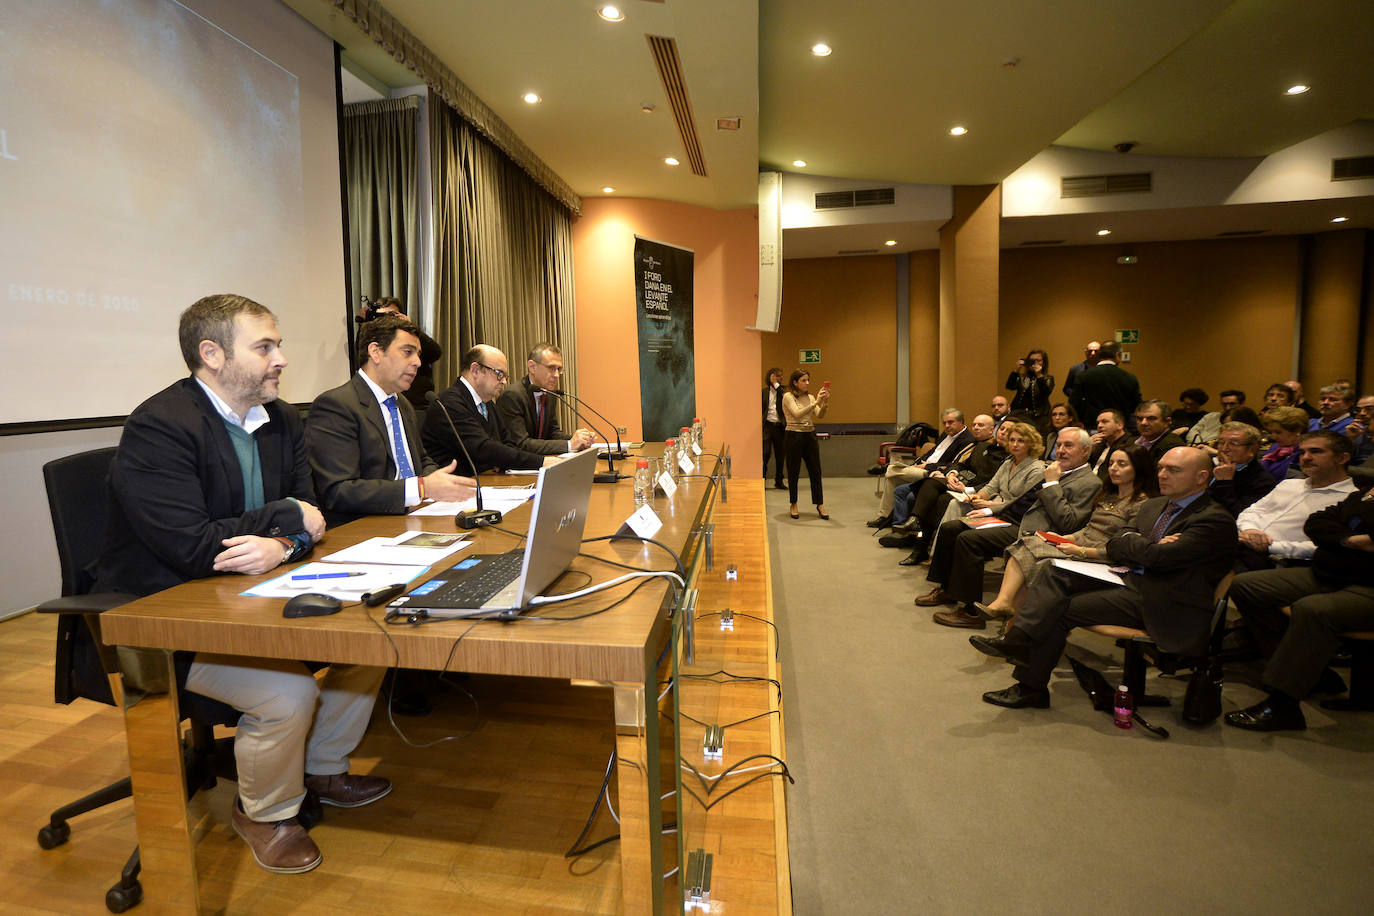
(1182,544)
(363,438)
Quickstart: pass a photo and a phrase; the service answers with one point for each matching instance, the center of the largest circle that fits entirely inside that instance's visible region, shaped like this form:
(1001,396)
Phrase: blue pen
(309,577)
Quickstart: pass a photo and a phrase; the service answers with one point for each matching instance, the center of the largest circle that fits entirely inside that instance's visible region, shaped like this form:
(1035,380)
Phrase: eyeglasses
(499,373)
(556,370)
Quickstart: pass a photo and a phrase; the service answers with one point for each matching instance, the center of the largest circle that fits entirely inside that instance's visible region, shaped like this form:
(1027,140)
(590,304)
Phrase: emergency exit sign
(1128,335)
(808,356)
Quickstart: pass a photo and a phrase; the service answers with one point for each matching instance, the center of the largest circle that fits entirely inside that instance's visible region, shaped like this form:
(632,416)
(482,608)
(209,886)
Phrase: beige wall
(725,281)
(923,308)
(848,308)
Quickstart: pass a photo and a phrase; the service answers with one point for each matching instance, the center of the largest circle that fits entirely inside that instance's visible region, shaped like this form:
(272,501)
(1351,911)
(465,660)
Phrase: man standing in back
(1106,385)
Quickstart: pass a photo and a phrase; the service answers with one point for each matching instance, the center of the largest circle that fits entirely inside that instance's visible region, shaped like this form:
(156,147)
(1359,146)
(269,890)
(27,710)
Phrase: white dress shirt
(1282,513)
(412,483)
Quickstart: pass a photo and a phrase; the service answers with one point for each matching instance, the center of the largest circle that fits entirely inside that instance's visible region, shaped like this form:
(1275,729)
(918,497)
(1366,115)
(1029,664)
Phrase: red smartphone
(825,384)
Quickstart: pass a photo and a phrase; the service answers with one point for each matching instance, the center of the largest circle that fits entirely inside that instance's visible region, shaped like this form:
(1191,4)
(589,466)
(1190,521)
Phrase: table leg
(152,723)
(641,809)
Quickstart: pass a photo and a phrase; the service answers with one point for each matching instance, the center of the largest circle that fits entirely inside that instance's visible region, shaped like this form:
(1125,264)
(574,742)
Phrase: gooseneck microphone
(610,476)
(468,518)
(619,452)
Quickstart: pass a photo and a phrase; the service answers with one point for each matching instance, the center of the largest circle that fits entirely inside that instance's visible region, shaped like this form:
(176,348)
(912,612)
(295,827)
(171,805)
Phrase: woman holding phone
(802,410)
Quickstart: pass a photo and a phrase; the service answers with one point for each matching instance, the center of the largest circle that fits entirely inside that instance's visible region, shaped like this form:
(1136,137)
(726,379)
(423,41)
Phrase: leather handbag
(1202,701)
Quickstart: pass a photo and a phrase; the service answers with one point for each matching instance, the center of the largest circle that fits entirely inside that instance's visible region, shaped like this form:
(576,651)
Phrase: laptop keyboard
(485,582)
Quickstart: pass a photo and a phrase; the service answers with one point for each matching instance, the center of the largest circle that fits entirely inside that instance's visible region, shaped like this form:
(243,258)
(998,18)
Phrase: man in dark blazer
(774,426)
(1152,425)
(469,406)
(1106,385)
(1238,480)
(211,477)
(1090,352)
(351,433)
(430,351)
(1062,503)
(1180,547)
(530,413)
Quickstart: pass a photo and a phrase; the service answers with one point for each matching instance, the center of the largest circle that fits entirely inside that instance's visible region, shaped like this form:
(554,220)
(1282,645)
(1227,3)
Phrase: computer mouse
(311,604)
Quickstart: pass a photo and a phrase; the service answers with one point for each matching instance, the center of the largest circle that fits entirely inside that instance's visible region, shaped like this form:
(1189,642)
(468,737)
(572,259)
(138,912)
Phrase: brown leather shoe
(960,618)
(344,790)
(278,846)
(933,598)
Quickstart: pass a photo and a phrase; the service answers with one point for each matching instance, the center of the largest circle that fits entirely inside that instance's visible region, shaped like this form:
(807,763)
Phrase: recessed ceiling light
(799,163)
(530,98)
(670,160)
(890,242)
(958,131)
(608,190)
(610,13)
(1299,89)
(1339,219)
(1104,232)
(821,49)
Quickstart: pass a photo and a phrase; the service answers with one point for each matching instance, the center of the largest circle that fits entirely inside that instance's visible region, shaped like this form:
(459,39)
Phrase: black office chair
(87,668)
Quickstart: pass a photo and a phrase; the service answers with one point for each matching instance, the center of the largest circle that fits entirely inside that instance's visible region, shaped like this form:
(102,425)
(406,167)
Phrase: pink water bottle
(1123,707)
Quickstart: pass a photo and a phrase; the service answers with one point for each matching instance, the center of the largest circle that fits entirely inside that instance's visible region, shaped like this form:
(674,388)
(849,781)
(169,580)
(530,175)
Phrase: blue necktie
(482,406)
(398,445)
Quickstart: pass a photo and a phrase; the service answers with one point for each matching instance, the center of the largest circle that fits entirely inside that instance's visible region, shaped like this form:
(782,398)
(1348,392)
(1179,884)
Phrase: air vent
(1240,233)
(1352,168)
(664,50)
(1040,243)
(1102,185)
(858,251)
(864,197)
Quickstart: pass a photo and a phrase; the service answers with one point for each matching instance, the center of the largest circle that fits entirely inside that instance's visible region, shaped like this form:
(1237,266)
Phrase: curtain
(380,165)
(502,254)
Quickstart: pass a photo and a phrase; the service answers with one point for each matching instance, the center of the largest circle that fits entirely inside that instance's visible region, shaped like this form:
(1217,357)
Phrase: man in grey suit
(1180,547)
(363,440)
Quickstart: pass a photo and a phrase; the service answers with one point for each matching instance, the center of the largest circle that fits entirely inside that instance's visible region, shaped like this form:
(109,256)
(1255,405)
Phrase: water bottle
(644,486)
(1123,707)
(685,437)
(698,430)
(670,458)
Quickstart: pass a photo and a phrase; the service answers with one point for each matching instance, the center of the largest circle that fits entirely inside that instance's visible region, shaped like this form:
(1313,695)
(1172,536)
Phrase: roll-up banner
(667,365)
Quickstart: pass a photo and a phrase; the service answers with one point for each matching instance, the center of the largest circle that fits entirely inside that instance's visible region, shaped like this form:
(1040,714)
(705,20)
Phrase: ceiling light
(799,163)
(608,190)
(1104,232)
(610,13)
(530,98)
(1299,89)
(890,242)
(670,160)
(958,131)
(1339,219)
(821,49)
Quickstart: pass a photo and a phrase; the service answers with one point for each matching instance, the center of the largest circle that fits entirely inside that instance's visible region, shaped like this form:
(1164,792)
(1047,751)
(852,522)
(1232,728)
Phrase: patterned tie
(1162,523)
(482,409)
(398,445)
(539,420)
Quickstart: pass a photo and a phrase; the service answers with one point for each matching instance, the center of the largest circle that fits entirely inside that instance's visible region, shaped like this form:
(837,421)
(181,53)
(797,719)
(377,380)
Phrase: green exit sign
(1128,335)
(808,356)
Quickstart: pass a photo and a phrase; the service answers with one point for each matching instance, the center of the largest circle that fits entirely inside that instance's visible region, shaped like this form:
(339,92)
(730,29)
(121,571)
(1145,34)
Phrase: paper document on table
(410,548)
(1091,570)
(503,499)
(348,581)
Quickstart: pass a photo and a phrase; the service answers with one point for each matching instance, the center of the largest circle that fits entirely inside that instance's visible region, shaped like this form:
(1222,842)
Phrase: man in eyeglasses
(467,408)
(530,413)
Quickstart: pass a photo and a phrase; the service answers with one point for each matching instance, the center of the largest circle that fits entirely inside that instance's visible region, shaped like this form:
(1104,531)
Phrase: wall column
(969,276)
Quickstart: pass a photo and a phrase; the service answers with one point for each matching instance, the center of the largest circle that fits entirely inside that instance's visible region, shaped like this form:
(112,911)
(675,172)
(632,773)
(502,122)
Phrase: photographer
(430,351)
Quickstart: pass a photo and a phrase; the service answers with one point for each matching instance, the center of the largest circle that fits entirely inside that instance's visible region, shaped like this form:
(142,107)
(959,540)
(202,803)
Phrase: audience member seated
(1000,410)
(1132,476)
(1285,425)
(1060,501)
(930,497)
(1278,395)
(1180,547)
(1208,427)
(956,440)
(1189,411)
(1299,400)
(1361,439)
(1061,415)
(1334,595)
(1271,529)
(1335,404)
(1152,423)
(1238,480)
(1110,435)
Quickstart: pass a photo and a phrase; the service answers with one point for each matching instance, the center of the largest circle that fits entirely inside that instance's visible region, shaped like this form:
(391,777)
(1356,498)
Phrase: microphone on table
(468,518)
(619,452)
(610,476)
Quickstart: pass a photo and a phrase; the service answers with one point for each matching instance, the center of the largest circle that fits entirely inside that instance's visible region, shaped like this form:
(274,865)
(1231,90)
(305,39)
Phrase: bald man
(1181,545)
(468,408)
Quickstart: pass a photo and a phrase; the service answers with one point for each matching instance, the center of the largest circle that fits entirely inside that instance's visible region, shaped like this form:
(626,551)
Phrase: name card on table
(644,523)
(685,462)
(696,449)
(667,484)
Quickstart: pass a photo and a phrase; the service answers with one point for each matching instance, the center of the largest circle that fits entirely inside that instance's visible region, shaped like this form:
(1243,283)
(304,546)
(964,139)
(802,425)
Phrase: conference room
(904,212)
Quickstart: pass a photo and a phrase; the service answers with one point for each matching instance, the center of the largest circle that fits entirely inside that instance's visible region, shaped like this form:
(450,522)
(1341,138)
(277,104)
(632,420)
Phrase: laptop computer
(501,585)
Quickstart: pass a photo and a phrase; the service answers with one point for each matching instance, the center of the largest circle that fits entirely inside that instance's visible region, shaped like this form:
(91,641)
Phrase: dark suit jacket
(980,462)
(1163,444)
(1179,578)
(350,453)
(952,454)
(430,353)
(485,439)
(1101,447)
(1251,484)
(176,490)
(1105,386)
(520,415)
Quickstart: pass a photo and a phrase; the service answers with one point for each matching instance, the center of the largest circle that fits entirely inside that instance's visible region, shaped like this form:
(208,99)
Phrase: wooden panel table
(619,648)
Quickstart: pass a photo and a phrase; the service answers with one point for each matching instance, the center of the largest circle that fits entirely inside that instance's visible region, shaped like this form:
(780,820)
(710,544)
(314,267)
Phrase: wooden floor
(477,825)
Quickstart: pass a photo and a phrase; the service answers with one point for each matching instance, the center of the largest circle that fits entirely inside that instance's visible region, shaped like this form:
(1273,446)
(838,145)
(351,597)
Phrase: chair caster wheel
(123,897)
(54,834)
